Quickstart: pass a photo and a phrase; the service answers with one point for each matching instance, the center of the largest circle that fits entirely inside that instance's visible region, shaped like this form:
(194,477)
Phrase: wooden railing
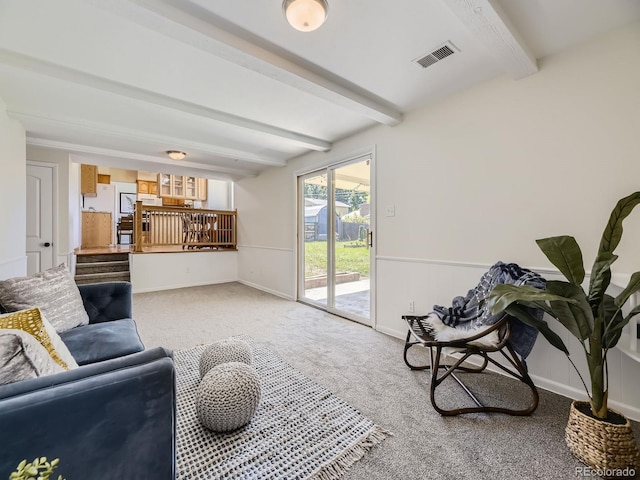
(179,228)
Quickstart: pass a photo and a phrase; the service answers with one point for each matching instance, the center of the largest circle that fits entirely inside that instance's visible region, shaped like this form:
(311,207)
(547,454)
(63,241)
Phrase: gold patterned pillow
(33,322)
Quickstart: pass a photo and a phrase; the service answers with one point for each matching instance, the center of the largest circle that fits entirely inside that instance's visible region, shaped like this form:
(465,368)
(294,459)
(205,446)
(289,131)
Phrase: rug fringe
(345,460)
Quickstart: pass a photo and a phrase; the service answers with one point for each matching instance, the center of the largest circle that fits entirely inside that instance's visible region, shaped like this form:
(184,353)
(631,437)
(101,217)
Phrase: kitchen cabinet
(178,186)
(147,187)
(89,180)
(181,186)
(97,229)
(202,188)
(172,202)
(164,185)
(191,188)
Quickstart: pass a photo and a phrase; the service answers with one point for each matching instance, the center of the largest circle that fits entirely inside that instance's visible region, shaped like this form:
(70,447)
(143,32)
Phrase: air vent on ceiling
(441,52)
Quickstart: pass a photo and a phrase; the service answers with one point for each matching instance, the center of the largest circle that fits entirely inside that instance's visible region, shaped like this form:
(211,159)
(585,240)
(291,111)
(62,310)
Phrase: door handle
(46,244)
(370,242)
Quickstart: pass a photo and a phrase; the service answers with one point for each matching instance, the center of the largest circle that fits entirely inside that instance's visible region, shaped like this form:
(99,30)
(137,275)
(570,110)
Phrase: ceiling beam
(38,119)
(202,29)
(115,158)
(45,67)
(486,20)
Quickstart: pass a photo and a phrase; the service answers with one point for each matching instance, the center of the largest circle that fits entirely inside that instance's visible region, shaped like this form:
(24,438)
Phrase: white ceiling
(119,82)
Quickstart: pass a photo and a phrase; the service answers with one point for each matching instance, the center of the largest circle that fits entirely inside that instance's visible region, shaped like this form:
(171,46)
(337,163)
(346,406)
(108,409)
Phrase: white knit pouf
(224,351)
(228,396)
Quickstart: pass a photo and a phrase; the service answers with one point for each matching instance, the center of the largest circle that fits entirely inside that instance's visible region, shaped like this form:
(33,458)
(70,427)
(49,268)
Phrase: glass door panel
(191,185)
(164,183)
(314,196)
(351,191)
(178,186)
(334,239)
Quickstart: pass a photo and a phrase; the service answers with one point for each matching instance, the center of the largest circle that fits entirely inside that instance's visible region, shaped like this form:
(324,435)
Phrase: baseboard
(631,412)
(267,290)
(392,332)
(175,287)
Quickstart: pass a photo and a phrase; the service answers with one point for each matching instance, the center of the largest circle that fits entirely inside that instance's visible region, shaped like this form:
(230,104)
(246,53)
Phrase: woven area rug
(300,430)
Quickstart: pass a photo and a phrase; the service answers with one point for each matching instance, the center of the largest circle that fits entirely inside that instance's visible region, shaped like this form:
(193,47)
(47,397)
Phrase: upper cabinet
(182,186)
(164,185)
(89,180)
(191,188)
(202,188)
(147,187)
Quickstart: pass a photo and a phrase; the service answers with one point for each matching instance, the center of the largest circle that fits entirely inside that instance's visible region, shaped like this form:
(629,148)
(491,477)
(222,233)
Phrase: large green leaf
(615,325)
(564,252)
(630,289)
(613,230)
(600,279)
(522,314)
(577,316)
(504,295)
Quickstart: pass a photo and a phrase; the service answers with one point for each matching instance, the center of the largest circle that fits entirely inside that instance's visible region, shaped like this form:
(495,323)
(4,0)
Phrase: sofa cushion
(35,324)
(102,341)
(23,357)
(53,291)
(107,301)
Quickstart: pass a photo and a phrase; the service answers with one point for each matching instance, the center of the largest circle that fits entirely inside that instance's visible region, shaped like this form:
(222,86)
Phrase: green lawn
(347,259)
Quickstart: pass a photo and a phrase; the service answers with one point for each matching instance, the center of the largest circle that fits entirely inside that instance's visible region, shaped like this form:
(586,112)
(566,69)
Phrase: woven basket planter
(599,444)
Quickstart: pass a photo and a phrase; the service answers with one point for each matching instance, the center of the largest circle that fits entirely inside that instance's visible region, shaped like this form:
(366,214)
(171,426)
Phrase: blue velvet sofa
(113,417)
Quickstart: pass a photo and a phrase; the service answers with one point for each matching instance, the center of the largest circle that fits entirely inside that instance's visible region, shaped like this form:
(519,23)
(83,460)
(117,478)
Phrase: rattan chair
(475,352)
(465,349)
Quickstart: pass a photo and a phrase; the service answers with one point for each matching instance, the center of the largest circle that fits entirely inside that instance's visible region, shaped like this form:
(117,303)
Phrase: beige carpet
(365,368)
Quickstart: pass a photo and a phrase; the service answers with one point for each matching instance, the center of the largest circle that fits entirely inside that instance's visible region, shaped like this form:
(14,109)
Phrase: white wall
(151,272)
(476,178)
(218,195)
(13,194)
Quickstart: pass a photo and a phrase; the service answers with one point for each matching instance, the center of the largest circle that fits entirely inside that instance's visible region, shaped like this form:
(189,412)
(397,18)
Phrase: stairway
(102,267)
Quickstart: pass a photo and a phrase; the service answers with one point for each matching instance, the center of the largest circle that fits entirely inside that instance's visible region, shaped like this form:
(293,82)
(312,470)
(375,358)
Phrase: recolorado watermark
(627,472)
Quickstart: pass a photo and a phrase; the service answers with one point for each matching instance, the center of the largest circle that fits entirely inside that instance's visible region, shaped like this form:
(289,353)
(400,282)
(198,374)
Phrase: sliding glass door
(335,238)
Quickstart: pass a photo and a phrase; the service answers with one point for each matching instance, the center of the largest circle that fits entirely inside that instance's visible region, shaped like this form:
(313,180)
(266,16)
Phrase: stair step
(102,257)
(102,267)
(102,277)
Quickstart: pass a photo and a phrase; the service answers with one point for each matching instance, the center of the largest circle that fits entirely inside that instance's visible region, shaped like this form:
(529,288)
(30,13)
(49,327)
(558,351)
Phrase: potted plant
(596,319)
(38,469)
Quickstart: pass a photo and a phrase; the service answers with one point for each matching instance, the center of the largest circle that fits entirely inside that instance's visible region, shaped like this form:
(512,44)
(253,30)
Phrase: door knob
(47,244)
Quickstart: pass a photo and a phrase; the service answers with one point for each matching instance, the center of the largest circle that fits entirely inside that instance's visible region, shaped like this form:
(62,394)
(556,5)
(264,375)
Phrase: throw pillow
(33,322)
(23,357)
(53,291)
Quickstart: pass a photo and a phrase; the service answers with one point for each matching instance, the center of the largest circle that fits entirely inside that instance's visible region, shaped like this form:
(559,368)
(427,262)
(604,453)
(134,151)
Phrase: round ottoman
(223,351)
(228,396)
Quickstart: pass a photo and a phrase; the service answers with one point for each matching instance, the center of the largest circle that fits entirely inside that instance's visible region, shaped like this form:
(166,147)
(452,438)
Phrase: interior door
(335,239)
(40,251)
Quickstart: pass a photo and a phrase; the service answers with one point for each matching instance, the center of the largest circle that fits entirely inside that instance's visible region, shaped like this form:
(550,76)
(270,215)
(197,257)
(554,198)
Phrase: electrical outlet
(412,306)
(390,211)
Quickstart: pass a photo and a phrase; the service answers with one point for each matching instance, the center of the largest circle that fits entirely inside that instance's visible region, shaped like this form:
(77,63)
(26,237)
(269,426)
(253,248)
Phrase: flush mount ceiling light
(176,154)
(305,15)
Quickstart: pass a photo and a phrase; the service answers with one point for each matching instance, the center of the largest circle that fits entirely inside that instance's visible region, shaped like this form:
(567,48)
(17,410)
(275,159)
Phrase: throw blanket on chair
(468,314)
